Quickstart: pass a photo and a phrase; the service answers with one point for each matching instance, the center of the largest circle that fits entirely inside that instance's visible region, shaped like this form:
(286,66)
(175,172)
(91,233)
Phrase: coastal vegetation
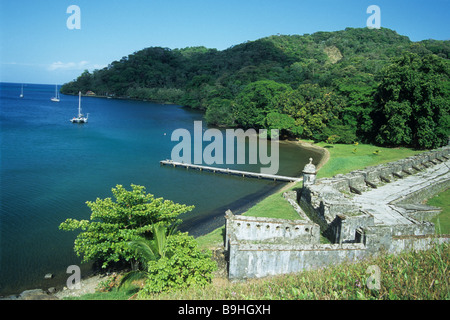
(140,229)
(355,85)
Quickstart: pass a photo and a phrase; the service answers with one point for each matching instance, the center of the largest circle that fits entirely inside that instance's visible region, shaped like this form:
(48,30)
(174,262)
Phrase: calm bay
(51,167)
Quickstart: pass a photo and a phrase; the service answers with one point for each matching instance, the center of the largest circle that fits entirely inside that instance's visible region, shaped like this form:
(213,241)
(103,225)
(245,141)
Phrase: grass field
(442,222)
(346,158)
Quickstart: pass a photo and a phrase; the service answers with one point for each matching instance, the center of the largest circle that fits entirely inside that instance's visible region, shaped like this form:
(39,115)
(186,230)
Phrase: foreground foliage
(169,261)
(140,229)
(184,265)
(113,224)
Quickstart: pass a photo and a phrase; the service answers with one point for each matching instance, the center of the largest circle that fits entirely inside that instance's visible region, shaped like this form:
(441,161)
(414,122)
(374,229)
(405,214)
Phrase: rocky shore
(88,285)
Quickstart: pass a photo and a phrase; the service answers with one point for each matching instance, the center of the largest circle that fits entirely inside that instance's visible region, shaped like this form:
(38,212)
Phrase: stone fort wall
(259,247)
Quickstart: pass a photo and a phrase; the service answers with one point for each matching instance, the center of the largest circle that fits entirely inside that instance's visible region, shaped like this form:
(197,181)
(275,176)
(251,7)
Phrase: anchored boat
(56,97)
(80,118)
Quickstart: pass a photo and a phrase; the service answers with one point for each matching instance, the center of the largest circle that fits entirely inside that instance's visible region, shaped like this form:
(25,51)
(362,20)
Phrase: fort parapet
(365,213)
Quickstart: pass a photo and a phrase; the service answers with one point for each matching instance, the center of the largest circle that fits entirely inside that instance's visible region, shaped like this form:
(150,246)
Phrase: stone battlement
(364,213)
(269,230)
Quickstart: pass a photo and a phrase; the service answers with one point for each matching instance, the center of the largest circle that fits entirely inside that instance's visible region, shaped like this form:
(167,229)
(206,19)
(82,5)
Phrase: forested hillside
(353,85)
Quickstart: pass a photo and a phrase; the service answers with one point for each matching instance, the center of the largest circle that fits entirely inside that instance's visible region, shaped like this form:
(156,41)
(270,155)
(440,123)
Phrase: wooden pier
(229,171)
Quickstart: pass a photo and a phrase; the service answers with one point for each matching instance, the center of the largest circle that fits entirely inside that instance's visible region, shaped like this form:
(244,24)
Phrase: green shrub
(184,265)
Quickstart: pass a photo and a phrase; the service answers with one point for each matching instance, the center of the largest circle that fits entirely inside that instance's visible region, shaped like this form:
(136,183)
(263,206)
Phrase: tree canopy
(335,86)
(412,106)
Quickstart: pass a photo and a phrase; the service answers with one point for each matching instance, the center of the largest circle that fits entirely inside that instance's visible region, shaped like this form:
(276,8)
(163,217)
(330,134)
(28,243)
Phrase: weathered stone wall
(255,259)
(325,200)
(250,260)
(394,239)
(425,193)
(420,212)
(344,228)
(410,242)
(330,198)
(292,197)
(270,230)
(259,247)
(328,192)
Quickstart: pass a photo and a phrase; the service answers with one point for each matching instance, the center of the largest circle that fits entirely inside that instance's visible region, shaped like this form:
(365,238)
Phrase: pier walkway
(229,171)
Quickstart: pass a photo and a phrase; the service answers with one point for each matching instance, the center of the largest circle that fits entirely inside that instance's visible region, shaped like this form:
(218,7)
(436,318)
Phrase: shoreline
(324,152)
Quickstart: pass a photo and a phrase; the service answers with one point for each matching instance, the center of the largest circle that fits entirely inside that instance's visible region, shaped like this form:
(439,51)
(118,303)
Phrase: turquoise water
(51,167)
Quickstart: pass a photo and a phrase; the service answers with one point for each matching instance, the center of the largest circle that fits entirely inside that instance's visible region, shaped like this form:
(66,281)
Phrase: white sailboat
(80,118)
(21,92)
(56,97)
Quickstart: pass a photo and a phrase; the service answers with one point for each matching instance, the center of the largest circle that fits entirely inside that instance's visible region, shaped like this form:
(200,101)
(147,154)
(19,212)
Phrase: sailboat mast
(79,104)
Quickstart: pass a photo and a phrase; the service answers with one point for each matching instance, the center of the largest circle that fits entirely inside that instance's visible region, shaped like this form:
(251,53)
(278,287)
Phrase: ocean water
(51,167)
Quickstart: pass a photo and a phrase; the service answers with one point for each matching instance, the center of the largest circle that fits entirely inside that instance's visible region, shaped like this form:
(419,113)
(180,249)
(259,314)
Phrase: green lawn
(345,158)
(442,221)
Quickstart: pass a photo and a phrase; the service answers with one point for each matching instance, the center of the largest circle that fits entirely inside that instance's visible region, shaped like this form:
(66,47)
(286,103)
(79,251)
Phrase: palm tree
(148,250)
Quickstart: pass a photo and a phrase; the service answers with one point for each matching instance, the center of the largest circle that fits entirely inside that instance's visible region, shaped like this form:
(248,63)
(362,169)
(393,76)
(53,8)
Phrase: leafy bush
(183,265)
(337,133)
(113,224)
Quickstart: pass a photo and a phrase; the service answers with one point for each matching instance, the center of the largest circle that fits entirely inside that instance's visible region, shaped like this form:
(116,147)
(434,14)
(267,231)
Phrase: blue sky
(37,47)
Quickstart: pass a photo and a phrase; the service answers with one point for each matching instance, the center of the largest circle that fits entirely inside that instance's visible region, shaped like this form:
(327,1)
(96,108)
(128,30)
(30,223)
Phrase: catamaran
(56,97)
(80,118)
